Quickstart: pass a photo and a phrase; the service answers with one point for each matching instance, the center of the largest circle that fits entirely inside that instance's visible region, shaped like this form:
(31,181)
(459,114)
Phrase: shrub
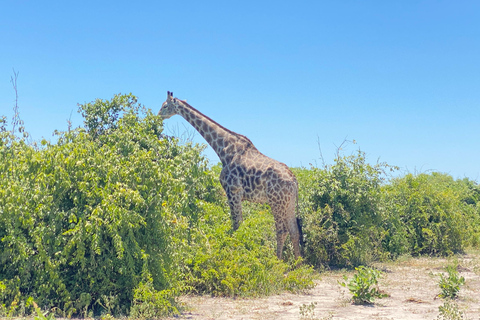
(450,311)
(307,311)
(436,213)
(364,285)
(149,303)
(353,214)
(450,284)
(81,218)
(343,222)
(241,263)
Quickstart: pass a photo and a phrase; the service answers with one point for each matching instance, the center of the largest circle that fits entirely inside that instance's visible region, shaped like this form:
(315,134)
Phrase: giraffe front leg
(234,194)
(294,235)
(235,202)
(281,236)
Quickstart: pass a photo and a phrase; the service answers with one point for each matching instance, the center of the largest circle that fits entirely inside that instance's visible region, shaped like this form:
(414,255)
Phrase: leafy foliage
(364,285)
(450,311)
(149,303)
(42,315)
(242,263)
(344,212)
(101,116)
(81,219)
(353,213)
(437,212)
(450,284)
(307,311)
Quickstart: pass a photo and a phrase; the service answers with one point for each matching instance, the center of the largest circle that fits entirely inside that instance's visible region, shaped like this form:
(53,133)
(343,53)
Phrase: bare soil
(411,285)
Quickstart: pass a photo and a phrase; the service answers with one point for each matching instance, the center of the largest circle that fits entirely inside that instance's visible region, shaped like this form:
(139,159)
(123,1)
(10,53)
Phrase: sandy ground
(410,283)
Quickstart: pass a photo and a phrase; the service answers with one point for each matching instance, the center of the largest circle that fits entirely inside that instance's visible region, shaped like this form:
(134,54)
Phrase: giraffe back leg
(282,232)
(283,211)
(292,221)
(292,226)
(286,223)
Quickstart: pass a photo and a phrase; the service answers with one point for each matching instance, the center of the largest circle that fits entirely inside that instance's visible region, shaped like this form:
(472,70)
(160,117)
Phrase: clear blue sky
(402,78)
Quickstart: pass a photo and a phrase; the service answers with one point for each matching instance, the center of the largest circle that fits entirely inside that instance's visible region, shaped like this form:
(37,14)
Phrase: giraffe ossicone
(247,174)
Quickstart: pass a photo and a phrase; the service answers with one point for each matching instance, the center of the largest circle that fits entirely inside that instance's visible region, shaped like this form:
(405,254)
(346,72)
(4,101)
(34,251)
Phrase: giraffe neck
(223,141)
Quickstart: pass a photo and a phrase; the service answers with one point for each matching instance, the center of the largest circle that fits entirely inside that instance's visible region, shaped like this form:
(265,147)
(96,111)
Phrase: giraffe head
(169,107)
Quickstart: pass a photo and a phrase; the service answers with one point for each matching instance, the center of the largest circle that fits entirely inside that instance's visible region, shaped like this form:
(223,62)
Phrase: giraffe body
(247,174)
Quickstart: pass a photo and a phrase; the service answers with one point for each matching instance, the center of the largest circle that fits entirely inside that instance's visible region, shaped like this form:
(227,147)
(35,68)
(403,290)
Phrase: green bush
(242,263)
(345,213)
(450,284)
(81,218)
(353,213)
(450,311)
(437,212)
(364,285)
(149,303)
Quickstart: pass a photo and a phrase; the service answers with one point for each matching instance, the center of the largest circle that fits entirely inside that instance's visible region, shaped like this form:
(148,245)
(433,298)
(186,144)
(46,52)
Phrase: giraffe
(247,174)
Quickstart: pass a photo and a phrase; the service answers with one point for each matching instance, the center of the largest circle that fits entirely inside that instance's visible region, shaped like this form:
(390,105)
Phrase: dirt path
(410,284)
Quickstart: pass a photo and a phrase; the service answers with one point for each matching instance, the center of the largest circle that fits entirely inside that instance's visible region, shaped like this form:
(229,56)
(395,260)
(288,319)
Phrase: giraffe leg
(281,236)
(235,202)
(280,227)
(294,234)
(234,195)
(292,224)
(286,222)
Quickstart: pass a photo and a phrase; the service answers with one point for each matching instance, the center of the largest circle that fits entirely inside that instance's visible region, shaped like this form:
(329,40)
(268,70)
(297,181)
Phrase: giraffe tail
(300,224)
(300,231)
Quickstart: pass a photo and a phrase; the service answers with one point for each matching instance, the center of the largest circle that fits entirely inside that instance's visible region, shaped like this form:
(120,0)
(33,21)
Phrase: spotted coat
(247,174)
